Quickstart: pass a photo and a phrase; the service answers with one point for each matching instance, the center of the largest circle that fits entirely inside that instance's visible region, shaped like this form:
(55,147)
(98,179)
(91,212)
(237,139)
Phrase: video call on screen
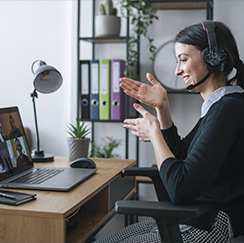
(14,151)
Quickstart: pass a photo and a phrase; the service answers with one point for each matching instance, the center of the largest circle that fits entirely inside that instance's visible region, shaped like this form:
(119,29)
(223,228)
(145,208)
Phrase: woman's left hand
(142,127)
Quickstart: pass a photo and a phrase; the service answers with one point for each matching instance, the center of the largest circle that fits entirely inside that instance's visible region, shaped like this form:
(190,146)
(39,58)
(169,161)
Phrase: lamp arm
(33,95)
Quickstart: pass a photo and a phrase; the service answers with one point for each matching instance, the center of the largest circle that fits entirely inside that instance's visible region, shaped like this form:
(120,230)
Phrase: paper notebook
(15,198)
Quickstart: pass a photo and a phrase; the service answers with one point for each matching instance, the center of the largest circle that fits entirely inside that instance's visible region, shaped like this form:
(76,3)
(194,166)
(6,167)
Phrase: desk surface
(46,215)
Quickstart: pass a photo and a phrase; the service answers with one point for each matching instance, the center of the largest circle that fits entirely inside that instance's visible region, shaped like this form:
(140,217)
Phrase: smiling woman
(207,165)
(189,64)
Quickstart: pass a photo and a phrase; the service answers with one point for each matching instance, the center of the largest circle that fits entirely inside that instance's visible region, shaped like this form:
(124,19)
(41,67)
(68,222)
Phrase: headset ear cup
(205,58)
(215,61)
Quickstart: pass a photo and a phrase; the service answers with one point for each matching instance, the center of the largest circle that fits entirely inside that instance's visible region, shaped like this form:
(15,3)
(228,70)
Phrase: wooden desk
(43,220)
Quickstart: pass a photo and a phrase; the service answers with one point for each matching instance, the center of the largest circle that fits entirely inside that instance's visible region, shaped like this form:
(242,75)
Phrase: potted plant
(106,150)
(107,23)
(78,143)
(141,15)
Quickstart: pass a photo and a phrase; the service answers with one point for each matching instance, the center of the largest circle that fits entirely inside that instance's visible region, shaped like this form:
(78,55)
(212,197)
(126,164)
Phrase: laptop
(16,167)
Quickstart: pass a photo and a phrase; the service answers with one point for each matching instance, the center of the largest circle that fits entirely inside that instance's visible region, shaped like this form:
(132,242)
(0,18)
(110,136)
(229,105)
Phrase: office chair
(166,214)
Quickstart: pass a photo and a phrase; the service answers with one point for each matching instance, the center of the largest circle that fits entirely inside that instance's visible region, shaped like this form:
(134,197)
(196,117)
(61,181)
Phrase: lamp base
(40,156)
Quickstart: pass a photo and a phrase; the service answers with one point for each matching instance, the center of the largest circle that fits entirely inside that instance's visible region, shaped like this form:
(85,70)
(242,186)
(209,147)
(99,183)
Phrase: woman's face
(189,65)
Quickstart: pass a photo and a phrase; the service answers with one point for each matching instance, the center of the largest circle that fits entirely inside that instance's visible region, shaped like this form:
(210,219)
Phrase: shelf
(116,39)
(180,4)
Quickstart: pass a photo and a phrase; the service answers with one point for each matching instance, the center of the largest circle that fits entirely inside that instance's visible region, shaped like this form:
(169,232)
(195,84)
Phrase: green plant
(78,130)
(141,15)
(105,150)
(108,8)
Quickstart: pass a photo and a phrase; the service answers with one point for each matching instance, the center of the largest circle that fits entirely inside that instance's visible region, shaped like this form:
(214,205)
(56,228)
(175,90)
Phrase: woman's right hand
(154,95)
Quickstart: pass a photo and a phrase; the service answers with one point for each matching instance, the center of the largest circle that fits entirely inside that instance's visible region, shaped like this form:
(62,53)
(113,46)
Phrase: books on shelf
(101,96)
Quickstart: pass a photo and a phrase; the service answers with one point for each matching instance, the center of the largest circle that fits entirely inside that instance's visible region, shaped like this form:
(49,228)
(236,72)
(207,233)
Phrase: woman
(208,164)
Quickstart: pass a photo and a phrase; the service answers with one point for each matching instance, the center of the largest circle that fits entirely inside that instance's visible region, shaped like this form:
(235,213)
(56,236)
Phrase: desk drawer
(119,188)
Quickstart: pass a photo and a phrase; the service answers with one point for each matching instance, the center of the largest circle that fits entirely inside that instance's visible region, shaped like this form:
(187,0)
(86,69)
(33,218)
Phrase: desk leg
(29,229)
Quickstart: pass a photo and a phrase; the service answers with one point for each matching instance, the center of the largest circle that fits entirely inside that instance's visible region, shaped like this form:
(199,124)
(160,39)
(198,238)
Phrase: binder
(104,89)
(85,80)
(94,89)
(117,100)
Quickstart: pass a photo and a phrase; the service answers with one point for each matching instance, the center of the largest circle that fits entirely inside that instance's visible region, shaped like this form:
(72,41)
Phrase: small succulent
(79,130)
(107,8)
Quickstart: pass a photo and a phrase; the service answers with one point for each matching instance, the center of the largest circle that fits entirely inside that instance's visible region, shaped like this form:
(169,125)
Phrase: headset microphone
(213,58)
(192,86)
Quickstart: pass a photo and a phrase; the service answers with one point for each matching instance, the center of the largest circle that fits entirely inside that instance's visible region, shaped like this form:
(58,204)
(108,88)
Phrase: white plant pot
(78,148)
(107,25)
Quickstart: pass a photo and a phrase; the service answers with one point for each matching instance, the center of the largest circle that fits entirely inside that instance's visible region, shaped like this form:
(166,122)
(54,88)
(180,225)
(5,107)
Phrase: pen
(7,195)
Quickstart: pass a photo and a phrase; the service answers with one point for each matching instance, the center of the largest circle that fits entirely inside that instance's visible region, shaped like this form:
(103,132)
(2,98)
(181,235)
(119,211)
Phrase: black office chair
(166,214)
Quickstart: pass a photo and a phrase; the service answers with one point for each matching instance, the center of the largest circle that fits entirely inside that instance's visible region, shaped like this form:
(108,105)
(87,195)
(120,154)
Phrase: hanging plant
(141,16)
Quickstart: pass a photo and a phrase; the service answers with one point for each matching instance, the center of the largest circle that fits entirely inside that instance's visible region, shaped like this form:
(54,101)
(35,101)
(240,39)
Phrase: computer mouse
(83,163)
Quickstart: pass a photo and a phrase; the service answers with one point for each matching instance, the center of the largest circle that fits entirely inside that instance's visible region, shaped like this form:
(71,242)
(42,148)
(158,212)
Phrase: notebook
(16,163)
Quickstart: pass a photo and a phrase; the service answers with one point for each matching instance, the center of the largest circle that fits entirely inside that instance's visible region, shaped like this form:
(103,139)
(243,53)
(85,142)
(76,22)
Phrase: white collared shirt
(217,95)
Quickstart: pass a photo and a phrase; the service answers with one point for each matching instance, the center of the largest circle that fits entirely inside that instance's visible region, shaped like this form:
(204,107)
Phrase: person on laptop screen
(22,158)
(14,132)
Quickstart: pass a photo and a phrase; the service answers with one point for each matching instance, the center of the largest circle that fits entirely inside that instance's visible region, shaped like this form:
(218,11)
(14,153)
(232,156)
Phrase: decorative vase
(78,148)
(107,25)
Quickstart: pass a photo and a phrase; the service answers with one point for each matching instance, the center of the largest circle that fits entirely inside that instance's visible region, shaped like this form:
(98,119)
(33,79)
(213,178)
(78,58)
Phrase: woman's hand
(147,129)
(154,95)
(142,127)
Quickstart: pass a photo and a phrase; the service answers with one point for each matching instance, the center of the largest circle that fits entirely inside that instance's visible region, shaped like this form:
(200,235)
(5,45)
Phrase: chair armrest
(166,215)
(158,209)
(140,171)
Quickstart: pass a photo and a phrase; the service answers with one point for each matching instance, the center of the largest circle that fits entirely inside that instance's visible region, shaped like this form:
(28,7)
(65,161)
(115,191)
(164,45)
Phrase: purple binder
(117,99)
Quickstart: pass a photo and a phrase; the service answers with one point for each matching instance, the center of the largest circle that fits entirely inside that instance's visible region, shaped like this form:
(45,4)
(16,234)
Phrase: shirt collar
(217,95)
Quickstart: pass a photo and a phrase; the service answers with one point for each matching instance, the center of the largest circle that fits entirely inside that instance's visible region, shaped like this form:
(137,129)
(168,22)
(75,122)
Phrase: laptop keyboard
(37,176)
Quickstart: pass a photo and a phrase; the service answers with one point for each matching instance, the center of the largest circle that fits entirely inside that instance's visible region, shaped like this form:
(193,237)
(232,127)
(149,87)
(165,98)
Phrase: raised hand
(153,95)
(142,127)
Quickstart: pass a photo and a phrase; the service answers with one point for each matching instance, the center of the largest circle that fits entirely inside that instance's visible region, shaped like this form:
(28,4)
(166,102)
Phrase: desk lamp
(46,80)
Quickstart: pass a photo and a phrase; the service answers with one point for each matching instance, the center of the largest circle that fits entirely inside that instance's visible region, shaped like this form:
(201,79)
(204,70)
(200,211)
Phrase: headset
(213,58)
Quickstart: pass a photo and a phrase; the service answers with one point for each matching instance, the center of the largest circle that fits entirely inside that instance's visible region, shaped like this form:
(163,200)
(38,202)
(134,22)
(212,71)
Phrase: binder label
(104,79)
(95,78)
(85,79)
(116,76)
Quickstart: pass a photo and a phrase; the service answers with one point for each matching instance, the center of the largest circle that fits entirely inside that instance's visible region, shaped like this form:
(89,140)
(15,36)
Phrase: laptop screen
(14,149)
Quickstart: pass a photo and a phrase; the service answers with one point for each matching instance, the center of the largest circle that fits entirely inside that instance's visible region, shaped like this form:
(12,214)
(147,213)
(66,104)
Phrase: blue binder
(94,89)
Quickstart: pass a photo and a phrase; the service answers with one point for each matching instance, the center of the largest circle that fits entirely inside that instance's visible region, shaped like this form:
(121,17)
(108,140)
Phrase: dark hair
(196,36)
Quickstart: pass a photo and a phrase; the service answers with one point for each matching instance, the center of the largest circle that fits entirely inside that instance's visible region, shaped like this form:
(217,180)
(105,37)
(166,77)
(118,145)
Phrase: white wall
(32,30)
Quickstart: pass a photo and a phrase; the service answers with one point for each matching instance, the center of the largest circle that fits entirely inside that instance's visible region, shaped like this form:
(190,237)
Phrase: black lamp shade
(47,79)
